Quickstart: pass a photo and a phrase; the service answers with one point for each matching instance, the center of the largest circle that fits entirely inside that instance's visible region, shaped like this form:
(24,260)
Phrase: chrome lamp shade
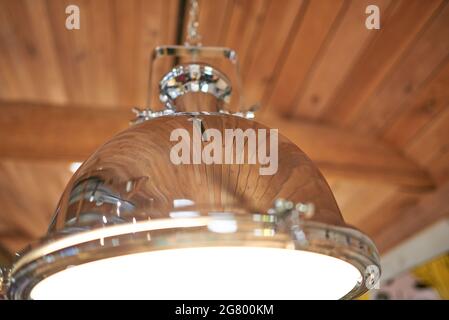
(134,224)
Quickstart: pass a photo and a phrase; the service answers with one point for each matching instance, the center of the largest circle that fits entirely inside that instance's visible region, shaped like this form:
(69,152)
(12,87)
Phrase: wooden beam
(33,131)
(344,154)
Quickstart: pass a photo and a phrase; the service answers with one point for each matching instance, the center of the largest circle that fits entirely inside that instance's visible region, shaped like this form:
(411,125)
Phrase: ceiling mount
(194,78)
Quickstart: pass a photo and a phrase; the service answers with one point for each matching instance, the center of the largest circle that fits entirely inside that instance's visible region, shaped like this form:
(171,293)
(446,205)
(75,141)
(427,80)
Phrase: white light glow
(74,166)
(179,203)
(205,273)
(184,214)
(222,226)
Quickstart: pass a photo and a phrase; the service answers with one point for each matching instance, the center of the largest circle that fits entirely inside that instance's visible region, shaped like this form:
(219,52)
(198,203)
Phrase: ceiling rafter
(39,131)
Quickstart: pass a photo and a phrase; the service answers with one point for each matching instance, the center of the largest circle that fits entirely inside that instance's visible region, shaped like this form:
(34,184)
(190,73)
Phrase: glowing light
(74,166)
(205,273)
(184,214)
(222,225)
(177,203)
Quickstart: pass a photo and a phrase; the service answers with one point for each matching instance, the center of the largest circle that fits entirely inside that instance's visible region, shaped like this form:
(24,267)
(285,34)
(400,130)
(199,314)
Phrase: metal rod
(193,37)
(3,274)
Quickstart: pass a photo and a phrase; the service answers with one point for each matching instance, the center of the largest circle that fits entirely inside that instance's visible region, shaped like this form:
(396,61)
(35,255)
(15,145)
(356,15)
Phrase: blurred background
(370,107)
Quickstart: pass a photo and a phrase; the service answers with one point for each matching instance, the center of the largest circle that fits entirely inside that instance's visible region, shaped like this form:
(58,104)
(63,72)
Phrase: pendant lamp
(158,213)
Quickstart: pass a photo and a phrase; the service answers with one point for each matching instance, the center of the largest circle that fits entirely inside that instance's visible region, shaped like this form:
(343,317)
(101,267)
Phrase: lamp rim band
(354,247)
(142,226)
(109,231)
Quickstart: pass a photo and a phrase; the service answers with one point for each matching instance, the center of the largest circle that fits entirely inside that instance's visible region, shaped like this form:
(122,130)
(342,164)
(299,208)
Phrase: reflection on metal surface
(196,52)
(194,78)
(232,186)
(4,279)
(284,206)
(193,37)
(216,63)
(1,284)
(74,166)
(95,190)
(87,202)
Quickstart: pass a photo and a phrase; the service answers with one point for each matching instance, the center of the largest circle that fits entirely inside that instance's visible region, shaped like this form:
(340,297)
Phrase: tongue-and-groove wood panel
(105,62)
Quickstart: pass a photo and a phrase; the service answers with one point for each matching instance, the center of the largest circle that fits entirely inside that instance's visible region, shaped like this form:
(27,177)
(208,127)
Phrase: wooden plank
(427,104)
(213,20)
(374,221)
(439,166)
(399,26)
(99,24)
(105,63)
(241,31)
(304,50)
(431,147)
(27,46)
(428,210)
(10,86)
(157,26)
(244,27)
(415,69)
(432,141)
(26,203)
(337,152)
(349,40)
(47,55)
(357,199)
(281,19)
(73,52)
(126,31)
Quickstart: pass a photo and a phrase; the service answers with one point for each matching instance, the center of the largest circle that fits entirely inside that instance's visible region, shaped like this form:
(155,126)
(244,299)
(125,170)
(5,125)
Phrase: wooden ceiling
(371,107)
